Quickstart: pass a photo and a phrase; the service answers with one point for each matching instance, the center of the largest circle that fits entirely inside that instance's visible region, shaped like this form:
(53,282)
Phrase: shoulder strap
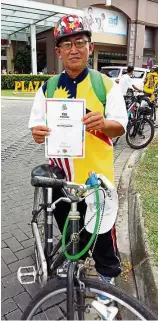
(52,85)
(98,85)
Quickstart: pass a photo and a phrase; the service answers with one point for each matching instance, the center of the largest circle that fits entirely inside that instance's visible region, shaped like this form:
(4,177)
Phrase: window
(138,74)
(112,73)
(124,71)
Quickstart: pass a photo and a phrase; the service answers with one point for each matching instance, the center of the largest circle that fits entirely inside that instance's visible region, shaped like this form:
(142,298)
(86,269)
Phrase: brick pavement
(19,156)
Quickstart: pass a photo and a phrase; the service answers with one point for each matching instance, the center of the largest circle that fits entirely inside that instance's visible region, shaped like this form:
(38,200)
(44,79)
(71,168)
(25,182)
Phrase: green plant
(22,60)
(146,184)
(155,60)
(8,81)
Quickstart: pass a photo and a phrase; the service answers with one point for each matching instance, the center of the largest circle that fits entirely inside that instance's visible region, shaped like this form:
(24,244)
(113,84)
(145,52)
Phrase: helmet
(70,25)
(155,67)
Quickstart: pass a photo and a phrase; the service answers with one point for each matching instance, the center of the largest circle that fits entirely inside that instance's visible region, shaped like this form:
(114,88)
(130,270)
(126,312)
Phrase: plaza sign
(32,86)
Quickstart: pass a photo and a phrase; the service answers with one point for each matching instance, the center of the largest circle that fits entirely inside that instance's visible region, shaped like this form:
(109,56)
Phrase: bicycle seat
(46,170)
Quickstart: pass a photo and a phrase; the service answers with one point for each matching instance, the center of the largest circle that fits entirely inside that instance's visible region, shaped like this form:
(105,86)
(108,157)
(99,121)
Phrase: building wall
(145,11)
(53,63)
(140,13)
(156,42)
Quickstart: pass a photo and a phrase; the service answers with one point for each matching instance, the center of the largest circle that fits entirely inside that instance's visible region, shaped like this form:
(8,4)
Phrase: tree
(22,60)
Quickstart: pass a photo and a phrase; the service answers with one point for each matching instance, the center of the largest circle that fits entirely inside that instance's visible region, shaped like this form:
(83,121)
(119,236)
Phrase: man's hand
(94,121)
(39,133)
(138,89)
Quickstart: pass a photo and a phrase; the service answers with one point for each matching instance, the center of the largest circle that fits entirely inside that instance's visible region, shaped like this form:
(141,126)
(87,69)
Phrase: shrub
(8,81)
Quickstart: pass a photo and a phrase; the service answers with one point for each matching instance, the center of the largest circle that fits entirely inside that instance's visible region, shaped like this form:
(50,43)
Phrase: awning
(18,15)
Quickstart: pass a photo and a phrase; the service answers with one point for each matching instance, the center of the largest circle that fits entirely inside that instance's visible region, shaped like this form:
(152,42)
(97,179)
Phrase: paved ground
(19,156)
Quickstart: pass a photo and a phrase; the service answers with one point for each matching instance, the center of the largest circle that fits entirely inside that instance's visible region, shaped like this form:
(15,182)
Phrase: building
(126,32)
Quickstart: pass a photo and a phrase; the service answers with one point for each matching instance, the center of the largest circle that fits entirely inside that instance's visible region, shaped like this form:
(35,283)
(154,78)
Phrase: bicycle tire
(94,286)
(128,136)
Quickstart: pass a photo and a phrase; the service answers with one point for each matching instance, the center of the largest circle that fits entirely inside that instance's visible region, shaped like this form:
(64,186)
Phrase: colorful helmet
(69,25)
(155,67)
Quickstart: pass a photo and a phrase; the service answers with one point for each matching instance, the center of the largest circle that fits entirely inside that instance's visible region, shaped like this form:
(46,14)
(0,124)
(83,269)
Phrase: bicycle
(140,127)
(74,287)
(129,100)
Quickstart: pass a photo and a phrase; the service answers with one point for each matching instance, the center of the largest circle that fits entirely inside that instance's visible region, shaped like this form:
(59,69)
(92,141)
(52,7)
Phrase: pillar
(59,67)
(70,3)
(50,52)
(33,49)
(131,43)
(140,33)
(10,66)
(156,45)
(95,64)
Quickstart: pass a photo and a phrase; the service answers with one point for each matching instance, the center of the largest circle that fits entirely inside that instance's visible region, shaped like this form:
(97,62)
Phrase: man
(149,63)
(151,82)
(126,81)
(73,47)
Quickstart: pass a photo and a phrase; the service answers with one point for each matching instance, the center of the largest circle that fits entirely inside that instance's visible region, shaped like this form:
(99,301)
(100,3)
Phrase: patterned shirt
(98,147)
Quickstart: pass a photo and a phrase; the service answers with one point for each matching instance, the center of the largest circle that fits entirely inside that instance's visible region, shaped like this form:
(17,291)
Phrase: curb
(17,98)
(145,271)
(126,280)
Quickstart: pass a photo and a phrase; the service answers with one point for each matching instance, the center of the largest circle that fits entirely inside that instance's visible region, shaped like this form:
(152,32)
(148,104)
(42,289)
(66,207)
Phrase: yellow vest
(98,147)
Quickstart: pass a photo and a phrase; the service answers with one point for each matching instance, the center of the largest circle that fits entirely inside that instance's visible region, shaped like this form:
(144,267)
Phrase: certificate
(67,136)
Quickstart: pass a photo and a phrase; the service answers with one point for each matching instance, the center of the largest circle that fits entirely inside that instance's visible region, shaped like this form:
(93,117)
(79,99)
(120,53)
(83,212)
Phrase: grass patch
(12,93)
(146,183)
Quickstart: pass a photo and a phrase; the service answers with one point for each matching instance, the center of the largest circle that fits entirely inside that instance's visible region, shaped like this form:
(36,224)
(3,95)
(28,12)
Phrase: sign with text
(107,21)
(31,87)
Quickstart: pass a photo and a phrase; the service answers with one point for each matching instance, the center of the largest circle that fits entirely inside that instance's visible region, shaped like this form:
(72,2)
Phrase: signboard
(32,86)
(107,21)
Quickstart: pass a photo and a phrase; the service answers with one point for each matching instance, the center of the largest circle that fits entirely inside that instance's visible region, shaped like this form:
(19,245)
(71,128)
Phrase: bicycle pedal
(27,274)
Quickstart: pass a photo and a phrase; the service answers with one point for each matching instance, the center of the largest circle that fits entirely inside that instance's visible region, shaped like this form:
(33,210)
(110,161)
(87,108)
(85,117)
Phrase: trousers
(105,254)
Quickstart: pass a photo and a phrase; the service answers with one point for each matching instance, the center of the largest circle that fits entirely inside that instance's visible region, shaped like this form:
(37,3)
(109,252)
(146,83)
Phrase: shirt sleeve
(115,106)
(37,115)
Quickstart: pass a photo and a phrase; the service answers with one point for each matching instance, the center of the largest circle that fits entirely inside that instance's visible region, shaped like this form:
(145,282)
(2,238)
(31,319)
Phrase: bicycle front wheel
(50,303)
(140,133)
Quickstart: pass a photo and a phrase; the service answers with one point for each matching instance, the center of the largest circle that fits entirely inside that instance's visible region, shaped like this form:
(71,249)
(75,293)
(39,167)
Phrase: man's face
(74,51)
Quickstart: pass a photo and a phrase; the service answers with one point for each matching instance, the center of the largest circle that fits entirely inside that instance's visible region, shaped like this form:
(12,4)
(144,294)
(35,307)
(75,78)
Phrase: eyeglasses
(79,43)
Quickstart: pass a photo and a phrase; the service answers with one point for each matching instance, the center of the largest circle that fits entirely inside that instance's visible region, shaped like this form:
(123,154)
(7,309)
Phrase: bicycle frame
(48,253)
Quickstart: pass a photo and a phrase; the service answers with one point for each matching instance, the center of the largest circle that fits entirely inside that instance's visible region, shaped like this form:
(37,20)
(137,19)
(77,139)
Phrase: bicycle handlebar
(39,181)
